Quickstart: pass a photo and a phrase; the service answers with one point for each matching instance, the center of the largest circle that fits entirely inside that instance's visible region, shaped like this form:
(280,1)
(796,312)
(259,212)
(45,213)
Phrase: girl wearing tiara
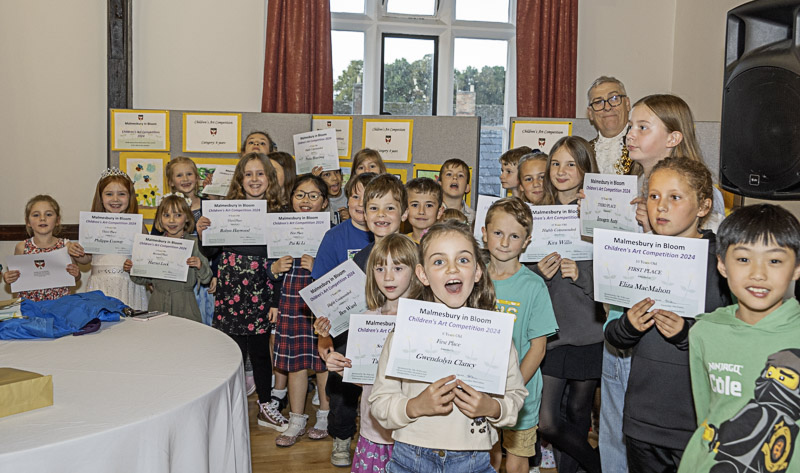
(114,194)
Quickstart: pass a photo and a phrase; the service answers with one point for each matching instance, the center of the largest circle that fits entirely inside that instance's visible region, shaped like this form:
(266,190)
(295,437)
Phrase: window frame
(435,78)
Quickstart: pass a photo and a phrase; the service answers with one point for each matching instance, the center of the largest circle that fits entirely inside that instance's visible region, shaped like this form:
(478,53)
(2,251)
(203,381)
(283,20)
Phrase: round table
(156,396)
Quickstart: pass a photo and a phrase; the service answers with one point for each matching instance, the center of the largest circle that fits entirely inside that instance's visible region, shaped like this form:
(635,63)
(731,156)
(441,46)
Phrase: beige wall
(655,46)
(198,54)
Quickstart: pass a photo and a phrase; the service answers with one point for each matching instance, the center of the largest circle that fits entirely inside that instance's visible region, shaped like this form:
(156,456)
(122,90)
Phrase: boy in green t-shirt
(745,358)
(524,294)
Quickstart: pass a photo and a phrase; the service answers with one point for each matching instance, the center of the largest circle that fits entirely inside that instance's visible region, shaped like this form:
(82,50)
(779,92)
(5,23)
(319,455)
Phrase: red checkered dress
(295,341)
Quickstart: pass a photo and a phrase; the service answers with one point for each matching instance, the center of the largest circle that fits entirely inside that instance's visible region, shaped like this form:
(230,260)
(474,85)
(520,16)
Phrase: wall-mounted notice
(139,130)
(212,132)
(538,134)
(391,138)
(344,131)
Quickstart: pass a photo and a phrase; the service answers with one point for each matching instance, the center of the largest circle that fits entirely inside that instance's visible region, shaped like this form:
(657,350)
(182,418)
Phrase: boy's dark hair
(425,185)
(513,155)
(318,181)
(384,184)
(761,223)
(362,179)
(455,163)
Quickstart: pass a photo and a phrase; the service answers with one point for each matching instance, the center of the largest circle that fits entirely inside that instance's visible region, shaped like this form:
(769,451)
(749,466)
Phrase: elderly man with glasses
(608,111)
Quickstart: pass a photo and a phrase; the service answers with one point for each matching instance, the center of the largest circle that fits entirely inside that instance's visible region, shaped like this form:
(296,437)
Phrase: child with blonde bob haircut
(175,220)
(367,160)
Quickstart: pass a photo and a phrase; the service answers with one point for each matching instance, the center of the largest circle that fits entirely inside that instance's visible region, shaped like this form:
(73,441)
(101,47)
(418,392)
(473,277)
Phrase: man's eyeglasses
(312,196)
(613,101)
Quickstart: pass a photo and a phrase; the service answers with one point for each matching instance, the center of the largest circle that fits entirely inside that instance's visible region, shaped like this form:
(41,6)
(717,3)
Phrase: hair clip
(114,172)
(178,194)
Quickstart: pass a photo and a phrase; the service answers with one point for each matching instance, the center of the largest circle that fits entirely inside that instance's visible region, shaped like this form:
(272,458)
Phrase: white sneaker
(340,456)
(315,399)
(249,384)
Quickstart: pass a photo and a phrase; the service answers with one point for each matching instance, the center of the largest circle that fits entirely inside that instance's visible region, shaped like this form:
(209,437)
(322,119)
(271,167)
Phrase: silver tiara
(113,172)
(178,194)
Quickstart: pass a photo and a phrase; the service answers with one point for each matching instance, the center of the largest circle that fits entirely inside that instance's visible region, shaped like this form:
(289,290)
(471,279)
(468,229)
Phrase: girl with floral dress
(247,289)
(42,222)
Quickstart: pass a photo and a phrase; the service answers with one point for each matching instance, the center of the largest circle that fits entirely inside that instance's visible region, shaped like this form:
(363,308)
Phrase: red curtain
(298,74)
(547,56)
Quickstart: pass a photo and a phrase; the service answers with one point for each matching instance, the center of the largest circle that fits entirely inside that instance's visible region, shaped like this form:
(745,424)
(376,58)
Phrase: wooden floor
(308,456)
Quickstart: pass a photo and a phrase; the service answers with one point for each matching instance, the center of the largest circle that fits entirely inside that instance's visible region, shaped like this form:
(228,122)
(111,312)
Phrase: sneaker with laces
(280,403)
(268,416)
(340,456)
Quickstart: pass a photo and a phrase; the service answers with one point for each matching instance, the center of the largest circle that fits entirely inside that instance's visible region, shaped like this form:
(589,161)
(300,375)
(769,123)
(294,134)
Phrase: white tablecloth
(156,396)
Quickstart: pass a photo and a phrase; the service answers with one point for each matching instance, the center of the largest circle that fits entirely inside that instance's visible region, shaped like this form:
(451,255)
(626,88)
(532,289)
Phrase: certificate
(538,134)
(212,132)
(391,138)
(344,131)
(235,222)
(316,148)
(629,267)
(484,202)
(139,130)
(161,257)
(41,270)
(337,294)
(556,228)
(216,178)
(432,341)
(296,234)
(608,203)
(103,233)
(364,345)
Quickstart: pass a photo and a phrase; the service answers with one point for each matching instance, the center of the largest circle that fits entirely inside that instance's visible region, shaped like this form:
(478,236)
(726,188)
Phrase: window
(429,57)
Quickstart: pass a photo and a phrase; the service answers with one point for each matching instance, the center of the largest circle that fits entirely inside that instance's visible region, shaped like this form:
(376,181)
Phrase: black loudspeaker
(760,138)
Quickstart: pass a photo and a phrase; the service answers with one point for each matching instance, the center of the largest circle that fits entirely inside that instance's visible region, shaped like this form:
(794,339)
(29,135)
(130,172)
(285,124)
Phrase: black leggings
(568,429)
(258,348)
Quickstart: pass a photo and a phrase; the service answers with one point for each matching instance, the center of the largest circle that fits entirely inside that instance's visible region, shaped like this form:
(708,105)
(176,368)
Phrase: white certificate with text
(161,257)
(235,222)
(432,341)
(104,233)
(41,270)
(608,203)
(629,267)
(556,228)
(296,233)
(337,294)
(364,345)
(316,148)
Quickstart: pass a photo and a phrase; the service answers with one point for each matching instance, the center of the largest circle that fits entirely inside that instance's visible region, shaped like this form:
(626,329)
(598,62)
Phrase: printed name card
(104,233)
(160,257)
(41,270)
(337,294)
(235,222)
(629,267)
(608,203)
(432,341)
(316,148)
(556,228)
(296,234)
(364,345)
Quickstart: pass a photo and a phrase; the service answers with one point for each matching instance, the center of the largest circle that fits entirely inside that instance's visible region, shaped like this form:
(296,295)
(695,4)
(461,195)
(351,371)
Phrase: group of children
(715,392)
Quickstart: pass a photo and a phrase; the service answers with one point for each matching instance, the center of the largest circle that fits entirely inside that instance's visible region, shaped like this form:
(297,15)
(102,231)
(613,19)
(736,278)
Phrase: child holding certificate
(247,290)
(574,355)
(524,294)
(367,160)
(174,219)
(390,276)
(114,194)
(745,358)
(532,172)
(43,223)
(295,340)
(658,416)
(446,425)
